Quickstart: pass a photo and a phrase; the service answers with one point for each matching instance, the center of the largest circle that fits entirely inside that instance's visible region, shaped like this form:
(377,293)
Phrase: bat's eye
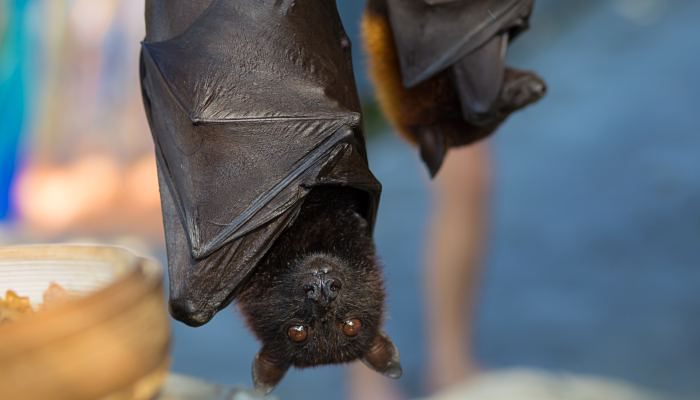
(297,333)
(335,285)
(351,327)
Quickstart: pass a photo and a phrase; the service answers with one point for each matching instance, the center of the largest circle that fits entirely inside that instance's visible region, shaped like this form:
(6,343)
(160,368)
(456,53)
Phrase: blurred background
(593,259)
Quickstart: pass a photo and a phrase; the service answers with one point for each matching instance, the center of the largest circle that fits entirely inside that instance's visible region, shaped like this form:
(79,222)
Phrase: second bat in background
(439,69)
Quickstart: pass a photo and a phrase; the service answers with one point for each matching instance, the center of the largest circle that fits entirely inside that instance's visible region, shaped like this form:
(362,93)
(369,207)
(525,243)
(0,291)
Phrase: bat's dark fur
(330,235)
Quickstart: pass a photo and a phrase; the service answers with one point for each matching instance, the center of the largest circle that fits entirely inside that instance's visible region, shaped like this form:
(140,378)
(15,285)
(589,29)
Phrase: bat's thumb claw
(432,149)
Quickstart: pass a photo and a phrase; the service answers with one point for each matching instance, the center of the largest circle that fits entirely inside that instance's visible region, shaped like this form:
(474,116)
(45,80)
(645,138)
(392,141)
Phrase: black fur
(329,232)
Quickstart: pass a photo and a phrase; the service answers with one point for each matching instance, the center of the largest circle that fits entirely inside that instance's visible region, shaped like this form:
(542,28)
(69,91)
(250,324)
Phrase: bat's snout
(323,289)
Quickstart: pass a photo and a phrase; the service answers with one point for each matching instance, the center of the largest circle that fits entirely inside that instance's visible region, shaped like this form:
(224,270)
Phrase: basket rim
(141,276)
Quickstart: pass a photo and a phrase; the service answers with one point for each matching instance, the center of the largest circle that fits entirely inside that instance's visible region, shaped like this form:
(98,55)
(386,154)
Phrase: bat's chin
(186,312)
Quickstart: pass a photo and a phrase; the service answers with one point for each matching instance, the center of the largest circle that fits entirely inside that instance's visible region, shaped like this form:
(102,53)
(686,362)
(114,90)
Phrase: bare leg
(455,246)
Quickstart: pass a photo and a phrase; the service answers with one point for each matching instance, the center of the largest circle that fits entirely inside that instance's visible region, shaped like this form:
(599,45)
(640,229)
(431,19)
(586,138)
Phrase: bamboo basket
(111,342)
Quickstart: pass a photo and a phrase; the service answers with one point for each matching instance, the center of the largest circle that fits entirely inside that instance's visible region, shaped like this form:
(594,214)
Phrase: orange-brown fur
(430,103)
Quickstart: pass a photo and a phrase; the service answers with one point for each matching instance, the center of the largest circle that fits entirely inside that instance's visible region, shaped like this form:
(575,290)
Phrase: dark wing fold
(250,106)
(432,35)
(478,77)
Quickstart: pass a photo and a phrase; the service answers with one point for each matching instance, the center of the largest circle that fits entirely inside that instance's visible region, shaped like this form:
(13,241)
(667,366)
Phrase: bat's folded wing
(432,35)
(249,109)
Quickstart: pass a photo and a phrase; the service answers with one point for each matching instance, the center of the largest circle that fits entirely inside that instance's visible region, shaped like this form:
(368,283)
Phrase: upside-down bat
(266,193)
(439,68)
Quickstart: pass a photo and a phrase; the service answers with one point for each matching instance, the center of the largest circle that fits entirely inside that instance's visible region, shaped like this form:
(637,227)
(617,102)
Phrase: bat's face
(319,311)
(316,307)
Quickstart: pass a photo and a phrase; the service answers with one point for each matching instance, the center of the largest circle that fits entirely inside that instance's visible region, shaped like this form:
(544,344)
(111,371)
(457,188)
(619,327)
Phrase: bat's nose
(330,288)
(323,290)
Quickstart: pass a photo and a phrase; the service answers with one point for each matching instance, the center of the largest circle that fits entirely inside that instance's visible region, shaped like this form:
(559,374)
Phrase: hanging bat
(439,69)
(267,196)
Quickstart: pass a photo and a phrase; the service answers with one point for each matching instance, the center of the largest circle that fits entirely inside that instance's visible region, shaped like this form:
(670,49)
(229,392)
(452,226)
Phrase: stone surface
(181,387)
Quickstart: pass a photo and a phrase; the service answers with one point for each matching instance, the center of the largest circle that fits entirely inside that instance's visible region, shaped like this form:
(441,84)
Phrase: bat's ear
(383,357)
(267,371)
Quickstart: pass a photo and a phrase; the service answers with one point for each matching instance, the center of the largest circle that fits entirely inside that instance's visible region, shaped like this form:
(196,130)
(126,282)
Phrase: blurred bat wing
(478,77)
(250,106)
(432,35)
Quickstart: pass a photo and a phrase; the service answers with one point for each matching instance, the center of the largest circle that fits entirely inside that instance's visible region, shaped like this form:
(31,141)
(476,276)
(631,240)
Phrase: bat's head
(319,307)
(322,310)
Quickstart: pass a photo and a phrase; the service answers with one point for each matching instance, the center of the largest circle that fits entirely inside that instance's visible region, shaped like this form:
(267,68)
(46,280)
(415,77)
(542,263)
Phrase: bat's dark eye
(351,327)
(297,333)
(335,285)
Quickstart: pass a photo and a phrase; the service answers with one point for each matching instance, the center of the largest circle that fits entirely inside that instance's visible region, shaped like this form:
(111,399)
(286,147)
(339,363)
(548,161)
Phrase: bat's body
(439,69)
(267,196)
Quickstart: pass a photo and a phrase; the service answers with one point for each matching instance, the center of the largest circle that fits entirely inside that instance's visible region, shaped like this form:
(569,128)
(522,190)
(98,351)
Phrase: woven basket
(110,342)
